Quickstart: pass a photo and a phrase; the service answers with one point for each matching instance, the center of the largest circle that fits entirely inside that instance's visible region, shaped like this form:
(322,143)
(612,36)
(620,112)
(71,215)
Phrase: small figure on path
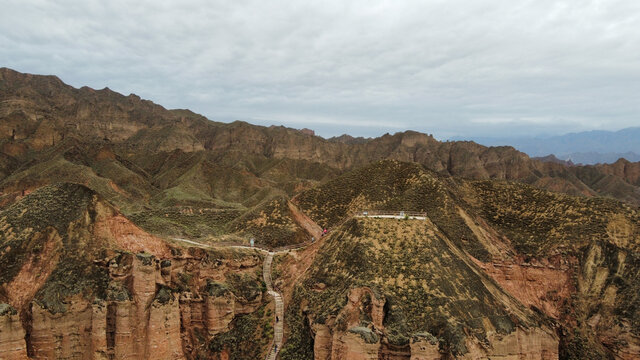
(277,318)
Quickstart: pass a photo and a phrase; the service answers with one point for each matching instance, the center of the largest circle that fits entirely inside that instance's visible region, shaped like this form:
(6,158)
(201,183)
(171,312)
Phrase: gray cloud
(365,67)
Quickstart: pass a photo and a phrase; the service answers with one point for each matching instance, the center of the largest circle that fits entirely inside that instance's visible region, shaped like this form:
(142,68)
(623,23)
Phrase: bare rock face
(164,331)
(363,301)
(424,349)
(355,343)
(219,311)
(359,342)
(115,228)
(143,322)
(521,344)
(62,335)
(353,346)
(120,322)
(322,342)
(546,285)
(12,345)
(135,322)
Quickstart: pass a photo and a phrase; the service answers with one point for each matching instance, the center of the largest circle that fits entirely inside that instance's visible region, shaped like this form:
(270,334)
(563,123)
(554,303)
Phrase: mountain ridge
(587,147)
(516,258)
(38,112)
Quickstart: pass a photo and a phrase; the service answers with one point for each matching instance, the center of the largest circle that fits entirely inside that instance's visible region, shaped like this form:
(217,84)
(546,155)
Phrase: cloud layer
(364,67)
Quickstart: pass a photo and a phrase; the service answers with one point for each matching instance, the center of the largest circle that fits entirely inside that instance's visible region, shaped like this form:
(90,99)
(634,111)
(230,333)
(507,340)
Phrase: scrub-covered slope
(494,259)
(388,286)
(79,280)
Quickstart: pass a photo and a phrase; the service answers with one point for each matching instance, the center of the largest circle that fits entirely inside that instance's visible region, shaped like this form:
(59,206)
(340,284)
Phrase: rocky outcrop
(219,311)
(140,319)
(69,335)
(365,343)
(82,282)
(424,348)
(544,284)
(535,343)
(363,301)
(334,341)
(355,343)
(115,228)
(352,345)
(12,345)
(343,337)
(322,342)
(164,330)
(129,325)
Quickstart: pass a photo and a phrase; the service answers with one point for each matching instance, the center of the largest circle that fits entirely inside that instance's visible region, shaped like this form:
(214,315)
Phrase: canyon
(515,258)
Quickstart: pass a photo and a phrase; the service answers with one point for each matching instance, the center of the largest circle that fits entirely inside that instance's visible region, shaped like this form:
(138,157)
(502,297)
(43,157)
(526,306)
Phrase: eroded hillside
(81,281)
(566,266)
(93,184)
(149,160)
(400,288)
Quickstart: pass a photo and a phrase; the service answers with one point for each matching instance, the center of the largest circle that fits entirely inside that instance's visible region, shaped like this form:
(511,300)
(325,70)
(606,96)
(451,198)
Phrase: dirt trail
(304,221)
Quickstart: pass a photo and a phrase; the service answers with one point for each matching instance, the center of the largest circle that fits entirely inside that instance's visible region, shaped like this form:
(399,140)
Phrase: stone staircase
(278,327)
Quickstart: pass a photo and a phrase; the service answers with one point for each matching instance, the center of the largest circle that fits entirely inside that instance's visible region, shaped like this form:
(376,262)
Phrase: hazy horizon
(453,69)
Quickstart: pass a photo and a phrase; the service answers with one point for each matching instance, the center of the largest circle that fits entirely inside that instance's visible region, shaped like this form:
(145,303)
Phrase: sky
(452,68)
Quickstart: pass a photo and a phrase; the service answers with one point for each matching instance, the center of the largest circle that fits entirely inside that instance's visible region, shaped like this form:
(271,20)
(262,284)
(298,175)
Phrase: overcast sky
(450,67)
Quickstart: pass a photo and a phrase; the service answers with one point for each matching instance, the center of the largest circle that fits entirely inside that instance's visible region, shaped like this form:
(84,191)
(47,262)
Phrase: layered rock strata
(141,317)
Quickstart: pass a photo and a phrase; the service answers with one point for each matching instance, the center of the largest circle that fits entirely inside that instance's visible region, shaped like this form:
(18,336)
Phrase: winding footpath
(278,328)
(312,228)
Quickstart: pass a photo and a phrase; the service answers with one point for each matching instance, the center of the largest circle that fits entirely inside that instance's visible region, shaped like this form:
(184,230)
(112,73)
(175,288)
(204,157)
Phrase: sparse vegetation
(248,338)
(427,288)
(176,173)
(271,224)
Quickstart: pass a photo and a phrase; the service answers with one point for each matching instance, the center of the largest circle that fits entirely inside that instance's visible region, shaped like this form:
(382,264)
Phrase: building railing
(400,213)
(223,244)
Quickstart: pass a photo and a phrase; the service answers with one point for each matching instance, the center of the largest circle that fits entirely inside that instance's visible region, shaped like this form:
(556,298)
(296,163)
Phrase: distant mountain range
(145,158)
(96,187)
(589,147)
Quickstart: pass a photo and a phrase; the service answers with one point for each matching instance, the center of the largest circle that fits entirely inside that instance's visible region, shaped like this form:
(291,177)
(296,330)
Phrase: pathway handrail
(389,213)
(246,245)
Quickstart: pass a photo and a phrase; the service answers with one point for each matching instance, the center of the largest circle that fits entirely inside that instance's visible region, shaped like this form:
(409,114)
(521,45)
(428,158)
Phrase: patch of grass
(185,221)
(271,224)
(539,222)
(23,225)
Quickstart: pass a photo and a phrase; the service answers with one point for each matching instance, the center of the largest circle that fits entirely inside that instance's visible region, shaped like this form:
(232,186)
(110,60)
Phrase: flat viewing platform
(378,214)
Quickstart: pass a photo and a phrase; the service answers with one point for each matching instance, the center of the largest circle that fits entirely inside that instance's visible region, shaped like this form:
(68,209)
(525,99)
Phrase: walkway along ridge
(278,328)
